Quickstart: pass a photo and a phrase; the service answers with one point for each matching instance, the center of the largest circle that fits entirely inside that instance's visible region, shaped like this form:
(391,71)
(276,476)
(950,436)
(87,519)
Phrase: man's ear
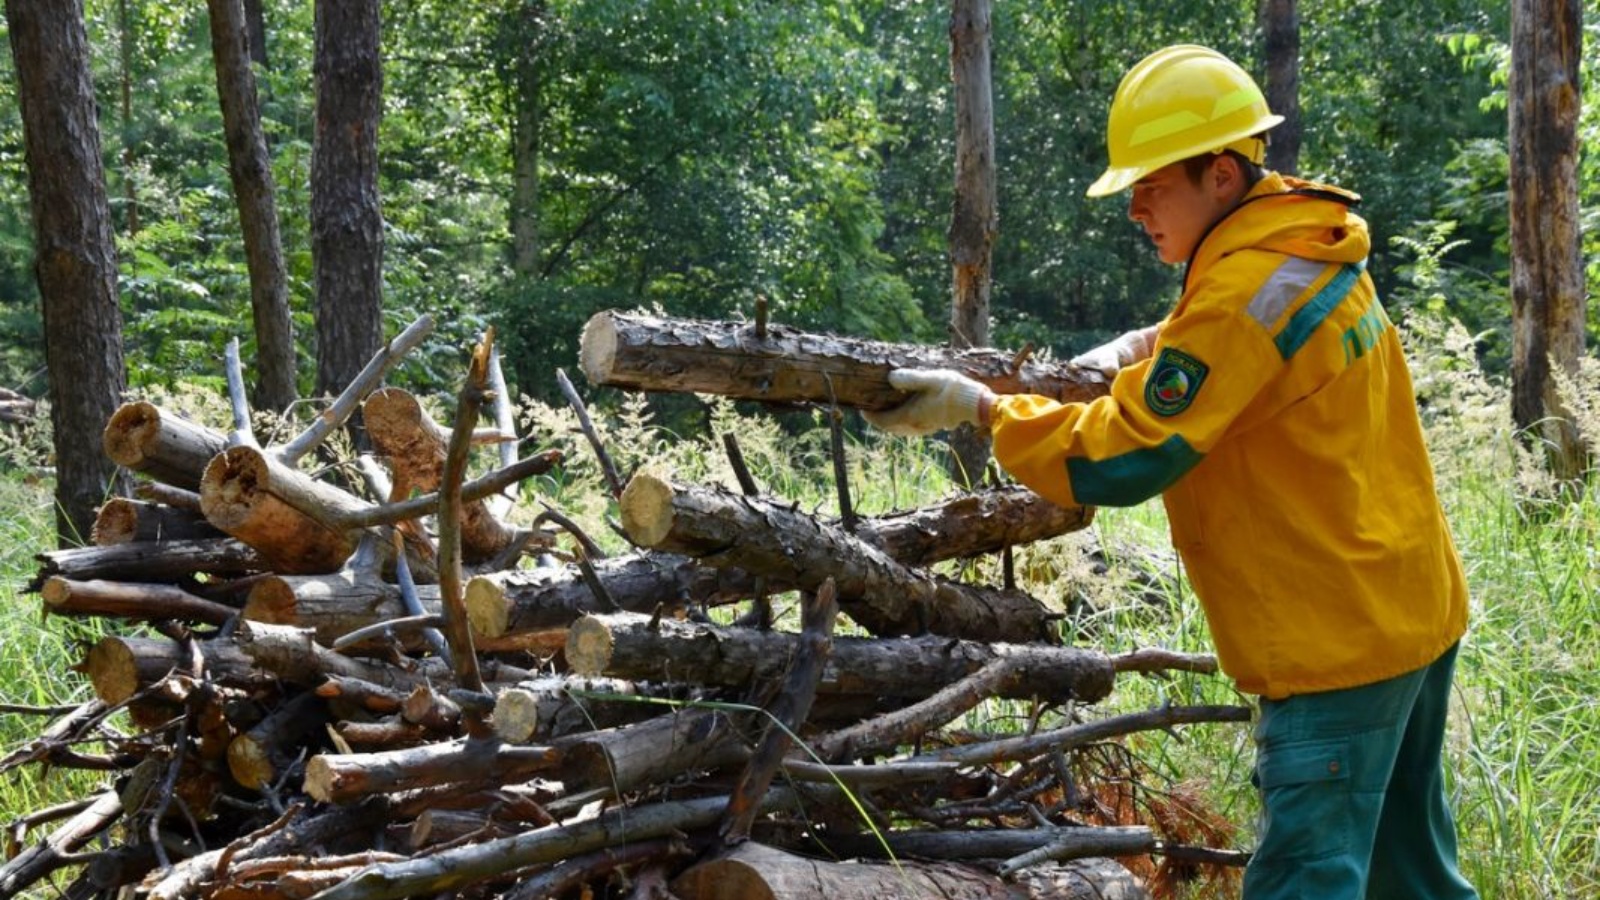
(1226,177)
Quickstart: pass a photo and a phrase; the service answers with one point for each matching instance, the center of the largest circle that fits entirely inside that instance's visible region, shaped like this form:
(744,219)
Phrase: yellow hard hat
(1178,102)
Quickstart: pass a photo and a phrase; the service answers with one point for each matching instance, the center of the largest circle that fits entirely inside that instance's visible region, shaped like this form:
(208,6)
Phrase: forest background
(693,155)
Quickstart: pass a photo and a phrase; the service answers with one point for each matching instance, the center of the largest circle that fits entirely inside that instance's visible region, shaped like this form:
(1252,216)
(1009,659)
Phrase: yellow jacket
(1277,418)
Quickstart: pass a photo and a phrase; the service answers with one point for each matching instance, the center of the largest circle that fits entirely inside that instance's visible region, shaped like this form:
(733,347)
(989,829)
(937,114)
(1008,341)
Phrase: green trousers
(1353,798)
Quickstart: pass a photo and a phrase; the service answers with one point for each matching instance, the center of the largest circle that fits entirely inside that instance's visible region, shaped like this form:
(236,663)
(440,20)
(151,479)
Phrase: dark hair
(1196,167)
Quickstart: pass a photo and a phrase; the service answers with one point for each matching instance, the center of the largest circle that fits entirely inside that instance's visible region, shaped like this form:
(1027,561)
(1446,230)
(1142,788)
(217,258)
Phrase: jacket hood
(1289,215)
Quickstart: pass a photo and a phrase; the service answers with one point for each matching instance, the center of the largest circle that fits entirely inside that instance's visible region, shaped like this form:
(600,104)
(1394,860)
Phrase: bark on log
(257,757)
(627,645)
(790,366)
(469,764)
(415,446)
(142,437)
(119,667)
(761,537)
(994,843)
(665,747)
(757,872)
(121,521)
(167,561)
(137,602)
(290,518)
(968,525)
(547,708)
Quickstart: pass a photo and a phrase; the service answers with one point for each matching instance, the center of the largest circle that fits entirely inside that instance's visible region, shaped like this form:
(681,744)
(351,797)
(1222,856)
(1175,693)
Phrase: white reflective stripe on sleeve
(1286,282)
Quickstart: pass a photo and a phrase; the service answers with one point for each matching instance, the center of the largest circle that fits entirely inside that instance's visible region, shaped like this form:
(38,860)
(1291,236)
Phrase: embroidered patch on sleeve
(1173,382)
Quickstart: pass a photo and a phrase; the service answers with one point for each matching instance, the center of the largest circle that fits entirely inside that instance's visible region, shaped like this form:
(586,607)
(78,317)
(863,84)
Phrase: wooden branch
(138,602)
(906,724)
(141,437)
(1029,746)
(122,521)
(548,708)
(1156,660)
(149,561)
(54,852)
(629,645)
(641,352)
(365,382)
(607,467)
(967,525)
(290,518)
(472,491)
(634,756)
(457,628)
(471,763)
(257,757)
(455,868)
(761,537)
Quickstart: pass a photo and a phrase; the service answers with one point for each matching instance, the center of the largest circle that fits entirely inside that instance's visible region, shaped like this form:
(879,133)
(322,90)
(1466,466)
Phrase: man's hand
(941,399)
(1109,358)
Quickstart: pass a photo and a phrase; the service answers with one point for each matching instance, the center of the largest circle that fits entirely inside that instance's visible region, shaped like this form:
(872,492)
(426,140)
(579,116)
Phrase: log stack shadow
(320,693)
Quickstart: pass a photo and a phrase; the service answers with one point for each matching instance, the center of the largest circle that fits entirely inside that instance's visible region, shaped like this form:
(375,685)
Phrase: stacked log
(348,696)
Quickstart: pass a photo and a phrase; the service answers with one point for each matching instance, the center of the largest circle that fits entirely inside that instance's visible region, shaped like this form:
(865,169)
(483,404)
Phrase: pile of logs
(382,686)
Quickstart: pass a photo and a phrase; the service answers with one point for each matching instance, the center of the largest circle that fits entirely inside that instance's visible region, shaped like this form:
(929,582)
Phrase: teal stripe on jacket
(1306,319)
(1129,479)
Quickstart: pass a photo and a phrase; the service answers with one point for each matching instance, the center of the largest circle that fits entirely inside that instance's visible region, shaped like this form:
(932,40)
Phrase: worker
(1273,411)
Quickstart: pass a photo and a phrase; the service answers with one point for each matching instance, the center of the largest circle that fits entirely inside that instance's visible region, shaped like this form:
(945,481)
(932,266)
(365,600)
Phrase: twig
(1029,746)
(607,467)
(349,400)
(910,722)
(741,471)
(1157,660)
(504,423)
(477,489)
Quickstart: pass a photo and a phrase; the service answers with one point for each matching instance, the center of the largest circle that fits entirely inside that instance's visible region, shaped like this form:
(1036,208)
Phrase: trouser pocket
(1305,800)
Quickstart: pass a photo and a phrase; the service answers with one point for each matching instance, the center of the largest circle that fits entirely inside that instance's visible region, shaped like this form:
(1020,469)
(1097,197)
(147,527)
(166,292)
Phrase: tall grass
(1524,744)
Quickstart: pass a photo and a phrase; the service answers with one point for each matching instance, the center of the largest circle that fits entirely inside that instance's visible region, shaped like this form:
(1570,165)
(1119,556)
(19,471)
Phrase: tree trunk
(975,218)
(250,167)
(346,221)
(1280,25)
(1547,268)
(785,365)
(74,255)
(525,30)
(255,22)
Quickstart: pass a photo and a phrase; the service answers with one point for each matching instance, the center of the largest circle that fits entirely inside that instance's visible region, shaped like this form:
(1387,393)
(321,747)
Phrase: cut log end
(271,600)
(488,611)
(117,522)
(131,429)
(56,591)
(249,764)
(598,348)
(589,646)
(322,780)
(230,485)
(647,509)
(113,670)
(516,715)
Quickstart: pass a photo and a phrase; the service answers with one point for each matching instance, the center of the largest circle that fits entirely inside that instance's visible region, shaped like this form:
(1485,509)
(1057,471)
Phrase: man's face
(1175,211)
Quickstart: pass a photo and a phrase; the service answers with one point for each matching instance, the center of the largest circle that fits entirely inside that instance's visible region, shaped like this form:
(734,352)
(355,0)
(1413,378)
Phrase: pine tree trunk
(250,167)
(74,256)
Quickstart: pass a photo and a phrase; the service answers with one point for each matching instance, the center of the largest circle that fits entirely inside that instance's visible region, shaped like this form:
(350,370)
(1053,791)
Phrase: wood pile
(399,692)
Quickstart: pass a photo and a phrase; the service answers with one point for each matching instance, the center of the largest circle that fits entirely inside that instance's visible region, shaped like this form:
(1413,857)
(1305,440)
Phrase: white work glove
(1109,358)
(941,399)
